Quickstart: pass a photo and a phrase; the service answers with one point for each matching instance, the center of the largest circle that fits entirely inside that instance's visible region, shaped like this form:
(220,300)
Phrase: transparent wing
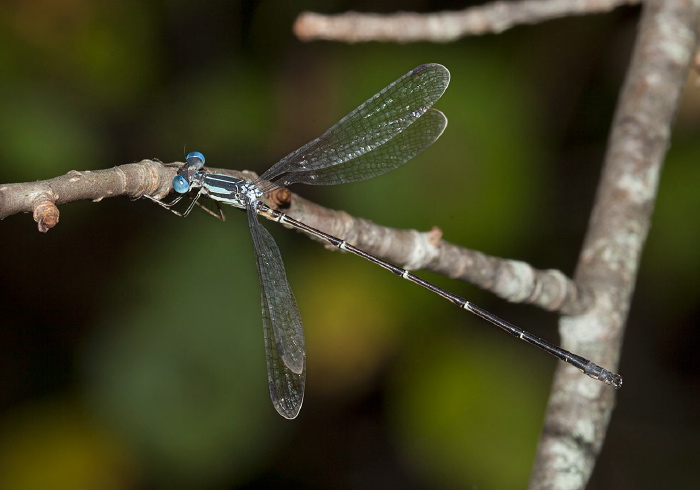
(286,387)
(392,154)
(371,125)
(285,352)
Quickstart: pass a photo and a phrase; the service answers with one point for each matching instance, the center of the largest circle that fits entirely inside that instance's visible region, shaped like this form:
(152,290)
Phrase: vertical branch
(579,411)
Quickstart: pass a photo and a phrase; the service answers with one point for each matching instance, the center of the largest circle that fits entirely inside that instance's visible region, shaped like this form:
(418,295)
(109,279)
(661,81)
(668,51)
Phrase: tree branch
(578,413)
(405,27)
(133,180)
(42,197)
(512,280)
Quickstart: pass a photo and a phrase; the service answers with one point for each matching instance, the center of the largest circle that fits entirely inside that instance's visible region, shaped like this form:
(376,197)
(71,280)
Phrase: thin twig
(404,27)
(578,413)
(42,197)
(512,280)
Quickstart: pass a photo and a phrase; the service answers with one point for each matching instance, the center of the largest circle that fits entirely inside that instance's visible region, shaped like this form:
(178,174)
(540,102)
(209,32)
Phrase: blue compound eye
(195,154)
(180,184)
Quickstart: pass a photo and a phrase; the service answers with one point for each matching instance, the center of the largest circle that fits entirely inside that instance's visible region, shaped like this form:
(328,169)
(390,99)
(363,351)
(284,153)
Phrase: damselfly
(382,134)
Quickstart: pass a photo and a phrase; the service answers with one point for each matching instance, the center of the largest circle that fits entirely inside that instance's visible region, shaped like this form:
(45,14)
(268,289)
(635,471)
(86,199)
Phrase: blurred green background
(131,353)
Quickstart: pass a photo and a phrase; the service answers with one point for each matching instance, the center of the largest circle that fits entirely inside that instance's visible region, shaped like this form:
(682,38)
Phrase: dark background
(130,343)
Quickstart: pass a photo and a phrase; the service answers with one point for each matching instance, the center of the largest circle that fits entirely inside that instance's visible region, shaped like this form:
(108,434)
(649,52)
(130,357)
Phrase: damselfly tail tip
(609,378)
(615,380)
(601,374)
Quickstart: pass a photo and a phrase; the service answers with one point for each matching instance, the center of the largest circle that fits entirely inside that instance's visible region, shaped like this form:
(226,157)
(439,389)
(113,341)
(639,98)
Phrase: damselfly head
(188,176)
